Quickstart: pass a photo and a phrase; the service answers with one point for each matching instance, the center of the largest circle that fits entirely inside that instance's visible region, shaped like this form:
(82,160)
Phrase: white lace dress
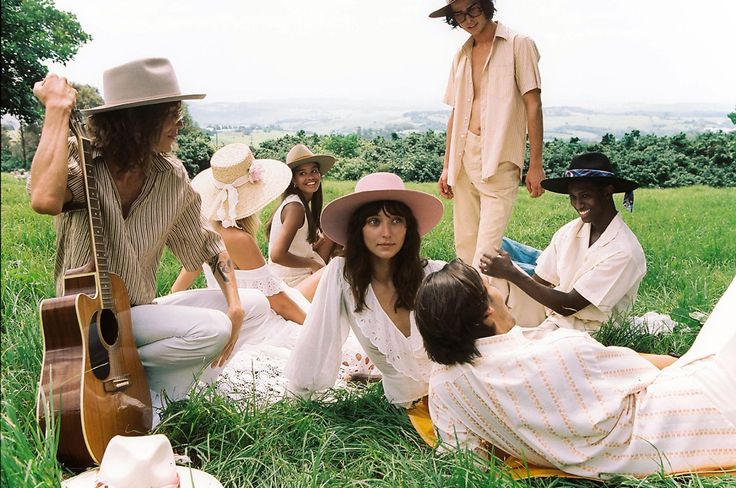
(260,362)
(315,361)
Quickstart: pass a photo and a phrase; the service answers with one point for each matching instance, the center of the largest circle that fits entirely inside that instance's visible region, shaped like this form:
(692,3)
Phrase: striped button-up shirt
(510,71)
(558,398)
(166,213)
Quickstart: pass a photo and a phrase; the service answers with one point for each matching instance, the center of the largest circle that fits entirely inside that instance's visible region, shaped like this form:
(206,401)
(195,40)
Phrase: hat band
(226,200)
(578,173)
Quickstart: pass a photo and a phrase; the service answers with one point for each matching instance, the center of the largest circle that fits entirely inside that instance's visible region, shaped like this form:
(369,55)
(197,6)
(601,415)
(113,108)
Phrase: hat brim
(188,477)
(560,185)
(427,210)
(442,12)
(324,161)
(252,197)
(142,102)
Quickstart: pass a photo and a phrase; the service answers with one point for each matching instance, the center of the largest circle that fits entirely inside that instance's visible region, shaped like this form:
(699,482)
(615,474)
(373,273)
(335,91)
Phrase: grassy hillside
(358,439)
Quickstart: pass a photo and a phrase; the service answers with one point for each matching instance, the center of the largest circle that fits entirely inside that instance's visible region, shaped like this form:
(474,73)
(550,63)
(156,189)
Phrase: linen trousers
(482,208)
(180,334)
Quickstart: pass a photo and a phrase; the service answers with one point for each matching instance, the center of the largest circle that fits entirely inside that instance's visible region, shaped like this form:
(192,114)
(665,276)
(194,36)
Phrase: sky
(593,53)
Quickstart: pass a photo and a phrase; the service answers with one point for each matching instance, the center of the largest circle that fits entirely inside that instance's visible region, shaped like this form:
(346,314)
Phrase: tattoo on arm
(221,267)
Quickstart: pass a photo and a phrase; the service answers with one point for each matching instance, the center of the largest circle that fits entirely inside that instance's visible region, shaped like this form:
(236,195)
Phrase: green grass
(356,438)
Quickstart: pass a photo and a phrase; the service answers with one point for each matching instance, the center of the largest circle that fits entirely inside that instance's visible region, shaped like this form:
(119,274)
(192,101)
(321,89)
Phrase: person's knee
(255,304)
(211,333)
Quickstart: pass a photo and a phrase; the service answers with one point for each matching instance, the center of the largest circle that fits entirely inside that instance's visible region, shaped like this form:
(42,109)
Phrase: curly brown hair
(129,136)
(407,267)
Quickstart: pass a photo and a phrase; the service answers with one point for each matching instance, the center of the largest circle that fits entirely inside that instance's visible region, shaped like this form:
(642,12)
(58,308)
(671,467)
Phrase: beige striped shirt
(165,214)
(511,71)
(558,398)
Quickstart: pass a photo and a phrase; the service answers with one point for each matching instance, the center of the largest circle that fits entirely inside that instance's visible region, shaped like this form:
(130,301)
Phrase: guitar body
(92,379)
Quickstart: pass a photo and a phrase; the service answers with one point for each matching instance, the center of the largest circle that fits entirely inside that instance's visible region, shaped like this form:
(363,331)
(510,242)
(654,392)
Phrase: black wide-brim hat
(592,166)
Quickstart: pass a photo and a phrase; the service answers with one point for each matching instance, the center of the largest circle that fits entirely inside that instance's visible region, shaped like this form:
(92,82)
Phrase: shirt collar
(501,31)
(608,235)
(160,162)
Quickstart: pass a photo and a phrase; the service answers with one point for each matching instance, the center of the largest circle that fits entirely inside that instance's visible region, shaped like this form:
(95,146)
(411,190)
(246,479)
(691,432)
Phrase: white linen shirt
(607,274)
(314,362)
(558,398)
(510,71)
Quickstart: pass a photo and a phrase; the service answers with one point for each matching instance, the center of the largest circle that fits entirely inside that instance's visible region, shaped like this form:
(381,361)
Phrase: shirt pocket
(502,80)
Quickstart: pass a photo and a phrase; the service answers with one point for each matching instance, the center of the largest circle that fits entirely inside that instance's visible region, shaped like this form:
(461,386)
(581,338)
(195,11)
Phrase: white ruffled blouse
(314,362)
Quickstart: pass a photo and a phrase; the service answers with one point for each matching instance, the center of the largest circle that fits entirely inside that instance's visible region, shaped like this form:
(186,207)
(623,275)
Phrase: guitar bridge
(116,384)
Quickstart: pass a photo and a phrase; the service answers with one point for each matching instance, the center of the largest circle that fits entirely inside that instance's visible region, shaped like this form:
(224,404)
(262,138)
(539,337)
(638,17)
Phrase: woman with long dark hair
(371,290)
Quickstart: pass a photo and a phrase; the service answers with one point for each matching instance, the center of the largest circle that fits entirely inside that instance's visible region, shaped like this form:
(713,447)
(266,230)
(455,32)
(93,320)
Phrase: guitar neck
(97,234)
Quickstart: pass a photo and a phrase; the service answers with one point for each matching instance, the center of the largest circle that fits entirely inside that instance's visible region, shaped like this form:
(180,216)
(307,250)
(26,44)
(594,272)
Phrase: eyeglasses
(473,11)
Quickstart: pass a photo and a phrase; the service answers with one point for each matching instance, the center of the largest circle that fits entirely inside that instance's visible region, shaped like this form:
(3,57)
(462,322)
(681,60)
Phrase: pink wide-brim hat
(427,209)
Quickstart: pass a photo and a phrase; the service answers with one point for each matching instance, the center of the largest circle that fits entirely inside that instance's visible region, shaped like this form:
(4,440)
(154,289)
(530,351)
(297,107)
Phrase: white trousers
(180,334)
(482,208)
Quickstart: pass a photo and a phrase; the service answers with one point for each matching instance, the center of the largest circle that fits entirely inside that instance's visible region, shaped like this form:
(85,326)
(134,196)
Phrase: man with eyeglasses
(494,91)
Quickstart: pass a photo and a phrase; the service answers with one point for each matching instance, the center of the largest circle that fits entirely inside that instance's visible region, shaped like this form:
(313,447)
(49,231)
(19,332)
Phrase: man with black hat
(147,203)
(592,268)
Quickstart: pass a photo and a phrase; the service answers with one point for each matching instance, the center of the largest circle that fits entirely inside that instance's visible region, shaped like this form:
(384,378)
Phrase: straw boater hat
(237,185)
(427,209)
(141,82)
(301,154)
(593,166)
(145,461)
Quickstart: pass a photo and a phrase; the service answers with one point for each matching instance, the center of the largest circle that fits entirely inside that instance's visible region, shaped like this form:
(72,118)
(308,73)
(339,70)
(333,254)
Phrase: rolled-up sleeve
(191,239)
(526,67)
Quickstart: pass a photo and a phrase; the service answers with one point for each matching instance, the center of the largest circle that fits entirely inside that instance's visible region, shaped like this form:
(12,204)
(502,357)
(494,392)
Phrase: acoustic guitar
(92,381)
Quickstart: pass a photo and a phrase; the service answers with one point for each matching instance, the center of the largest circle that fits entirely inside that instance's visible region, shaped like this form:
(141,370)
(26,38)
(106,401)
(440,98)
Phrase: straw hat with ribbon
(427,209)
(301,154)
(141,82)
(593,166)
(237,185)
(141,461)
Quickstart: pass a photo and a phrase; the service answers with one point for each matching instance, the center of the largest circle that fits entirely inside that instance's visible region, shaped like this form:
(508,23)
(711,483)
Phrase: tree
(33,32)
(732,116)
(87,96)
(194,146)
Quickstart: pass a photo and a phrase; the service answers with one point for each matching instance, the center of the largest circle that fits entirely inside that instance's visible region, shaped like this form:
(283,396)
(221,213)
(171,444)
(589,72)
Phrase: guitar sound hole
(109,327)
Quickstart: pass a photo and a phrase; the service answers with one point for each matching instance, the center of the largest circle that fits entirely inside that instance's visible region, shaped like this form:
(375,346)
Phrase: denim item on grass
(522,255)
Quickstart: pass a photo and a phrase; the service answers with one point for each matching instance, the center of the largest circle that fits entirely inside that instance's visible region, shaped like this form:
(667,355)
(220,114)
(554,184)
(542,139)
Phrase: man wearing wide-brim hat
(494,89)
(147,203)
(592,269)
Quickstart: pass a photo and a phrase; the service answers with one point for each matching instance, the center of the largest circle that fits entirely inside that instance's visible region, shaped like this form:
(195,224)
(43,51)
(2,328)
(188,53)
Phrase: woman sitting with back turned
(556,397)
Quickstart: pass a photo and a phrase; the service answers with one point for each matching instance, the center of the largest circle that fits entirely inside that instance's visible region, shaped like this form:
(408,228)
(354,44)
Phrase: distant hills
(344,116)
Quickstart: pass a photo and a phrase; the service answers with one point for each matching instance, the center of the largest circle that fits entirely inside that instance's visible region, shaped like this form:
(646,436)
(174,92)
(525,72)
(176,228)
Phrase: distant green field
(254,139)
(358,439)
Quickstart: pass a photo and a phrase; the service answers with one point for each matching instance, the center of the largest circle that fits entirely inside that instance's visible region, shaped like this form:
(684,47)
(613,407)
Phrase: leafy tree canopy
(33,32)
(87,96)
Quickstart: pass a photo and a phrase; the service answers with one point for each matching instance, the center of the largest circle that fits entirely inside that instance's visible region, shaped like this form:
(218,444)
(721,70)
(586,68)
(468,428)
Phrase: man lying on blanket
(561,403)
(592,268)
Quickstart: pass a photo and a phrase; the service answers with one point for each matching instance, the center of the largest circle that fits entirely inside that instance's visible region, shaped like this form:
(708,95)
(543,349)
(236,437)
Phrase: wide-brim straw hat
(141,82)
(141,461)
(427,209)
(301,154)
(236,185)
(592,166)
(442,12)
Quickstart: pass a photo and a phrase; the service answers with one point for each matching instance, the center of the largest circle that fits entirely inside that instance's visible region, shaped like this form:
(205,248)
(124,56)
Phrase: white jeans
(180,334)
